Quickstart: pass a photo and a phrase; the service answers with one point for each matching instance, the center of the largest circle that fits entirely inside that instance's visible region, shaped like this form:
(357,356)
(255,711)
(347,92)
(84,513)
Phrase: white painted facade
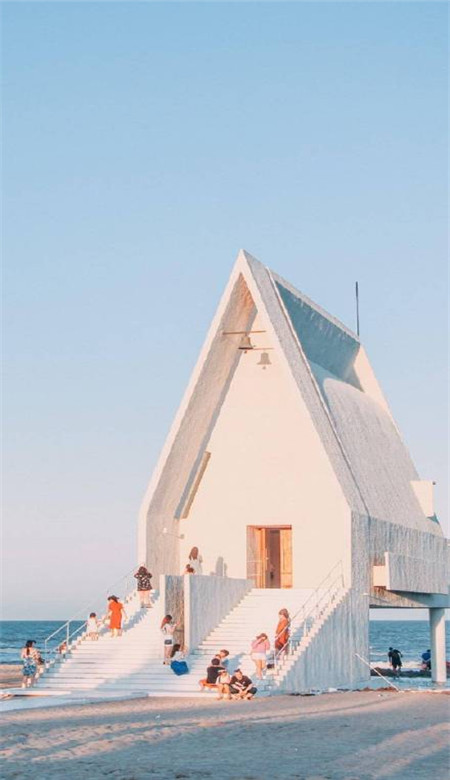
(308,443)
(262,476)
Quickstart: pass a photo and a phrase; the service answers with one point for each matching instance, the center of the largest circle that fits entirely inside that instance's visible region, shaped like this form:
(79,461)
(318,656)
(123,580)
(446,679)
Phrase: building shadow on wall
(221,568)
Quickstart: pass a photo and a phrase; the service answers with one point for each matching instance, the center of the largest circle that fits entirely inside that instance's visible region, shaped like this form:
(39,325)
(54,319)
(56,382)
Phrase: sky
(143,145)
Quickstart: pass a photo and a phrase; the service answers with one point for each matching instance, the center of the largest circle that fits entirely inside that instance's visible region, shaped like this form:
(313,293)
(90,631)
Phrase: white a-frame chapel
(285,467)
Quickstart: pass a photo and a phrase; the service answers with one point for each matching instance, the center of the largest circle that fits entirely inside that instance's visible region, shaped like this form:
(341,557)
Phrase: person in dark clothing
(241,686)
(396,661)
(426,660)
(144,586)
(212,673)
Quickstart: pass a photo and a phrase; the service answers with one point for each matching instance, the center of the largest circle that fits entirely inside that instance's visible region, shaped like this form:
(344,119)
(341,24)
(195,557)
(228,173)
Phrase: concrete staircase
(132,664)
(304,635)
(256,613)
(129,664)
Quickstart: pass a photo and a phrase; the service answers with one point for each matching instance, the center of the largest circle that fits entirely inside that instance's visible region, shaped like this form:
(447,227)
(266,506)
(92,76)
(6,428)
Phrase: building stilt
(437,639)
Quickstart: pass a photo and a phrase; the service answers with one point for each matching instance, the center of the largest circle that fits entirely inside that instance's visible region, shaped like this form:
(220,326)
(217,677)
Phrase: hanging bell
(264,360)
(246,343)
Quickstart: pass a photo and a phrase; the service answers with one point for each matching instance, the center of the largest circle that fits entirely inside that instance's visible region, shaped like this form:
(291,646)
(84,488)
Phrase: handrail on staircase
(336,575)
(66,627)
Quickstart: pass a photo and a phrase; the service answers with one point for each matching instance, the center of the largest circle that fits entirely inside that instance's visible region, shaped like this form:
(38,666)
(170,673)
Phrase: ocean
(411,637)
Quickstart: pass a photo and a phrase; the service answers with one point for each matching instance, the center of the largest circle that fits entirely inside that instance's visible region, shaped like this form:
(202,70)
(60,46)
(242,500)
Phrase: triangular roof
(335,380)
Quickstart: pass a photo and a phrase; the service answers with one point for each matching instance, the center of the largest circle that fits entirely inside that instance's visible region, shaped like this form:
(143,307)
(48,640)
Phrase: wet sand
(343,736)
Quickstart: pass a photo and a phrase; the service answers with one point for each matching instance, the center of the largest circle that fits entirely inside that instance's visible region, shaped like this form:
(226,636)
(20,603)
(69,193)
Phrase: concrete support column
(437,644)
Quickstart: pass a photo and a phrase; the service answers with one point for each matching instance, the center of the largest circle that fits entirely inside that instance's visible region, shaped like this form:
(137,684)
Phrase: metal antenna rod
(357,308)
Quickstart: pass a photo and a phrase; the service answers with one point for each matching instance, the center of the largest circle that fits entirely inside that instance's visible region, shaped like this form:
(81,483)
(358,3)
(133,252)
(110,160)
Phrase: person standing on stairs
(260,648)
(195,561)
(282,633)
(167,630)
(116,614)
(92,627)
(144,586)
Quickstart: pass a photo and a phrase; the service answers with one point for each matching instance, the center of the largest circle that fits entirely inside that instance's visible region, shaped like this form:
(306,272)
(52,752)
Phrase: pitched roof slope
(370,459)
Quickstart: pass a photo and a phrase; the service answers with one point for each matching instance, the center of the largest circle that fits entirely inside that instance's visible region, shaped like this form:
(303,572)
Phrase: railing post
(67,635)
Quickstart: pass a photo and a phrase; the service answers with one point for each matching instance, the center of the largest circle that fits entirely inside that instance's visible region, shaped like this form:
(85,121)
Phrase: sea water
(411,637)
(14,634)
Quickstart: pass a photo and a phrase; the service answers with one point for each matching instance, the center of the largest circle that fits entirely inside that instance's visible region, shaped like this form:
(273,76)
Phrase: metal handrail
(320,595)
(76,617)
(315,591)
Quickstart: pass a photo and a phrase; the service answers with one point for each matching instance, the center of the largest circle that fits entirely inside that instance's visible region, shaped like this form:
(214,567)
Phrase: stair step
(132,663)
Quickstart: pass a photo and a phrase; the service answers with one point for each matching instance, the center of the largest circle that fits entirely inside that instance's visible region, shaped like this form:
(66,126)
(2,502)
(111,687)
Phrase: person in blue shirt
(426,660)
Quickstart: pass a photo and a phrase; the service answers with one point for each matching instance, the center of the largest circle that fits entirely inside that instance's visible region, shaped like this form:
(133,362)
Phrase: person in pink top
(260,648)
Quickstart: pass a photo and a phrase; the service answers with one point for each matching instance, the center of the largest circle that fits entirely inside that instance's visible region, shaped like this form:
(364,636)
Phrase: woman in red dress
(116,613)
(282,632)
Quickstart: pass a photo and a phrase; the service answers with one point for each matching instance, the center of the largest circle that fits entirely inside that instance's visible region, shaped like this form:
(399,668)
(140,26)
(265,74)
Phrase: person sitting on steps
(212,673)
(241,686)
(223,684)
(223,658)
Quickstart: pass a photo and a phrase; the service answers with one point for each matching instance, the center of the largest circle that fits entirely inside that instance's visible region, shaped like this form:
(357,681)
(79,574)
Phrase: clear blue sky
(144,144)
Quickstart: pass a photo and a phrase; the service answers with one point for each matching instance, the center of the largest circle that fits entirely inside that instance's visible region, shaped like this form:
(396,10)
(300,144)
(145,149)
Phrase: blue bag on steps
(179,667)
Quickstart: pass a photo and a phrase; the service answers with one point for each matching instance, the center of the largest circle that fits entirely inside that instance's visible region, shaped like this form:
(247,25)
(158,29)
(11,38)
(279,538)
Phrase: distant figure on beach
(167,630)
(30,657)
(189,569)
(92,627)
(177,662)
(282,632)
(426,660)
(260,648)
(395,658)
(195,561)
(241,686)
(116,614)
(222,657)
(144,586)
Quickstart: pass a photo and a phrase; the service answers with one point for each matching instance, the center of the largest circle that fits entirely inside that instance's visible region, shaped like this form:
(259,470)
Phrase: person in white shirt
(92,627)
(167,630)
(195,561)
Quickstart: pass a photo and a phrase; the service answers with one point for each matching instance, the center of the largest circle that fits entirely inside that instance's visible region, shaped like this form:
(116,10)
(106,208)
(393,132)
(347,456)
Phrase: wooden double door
(269,555)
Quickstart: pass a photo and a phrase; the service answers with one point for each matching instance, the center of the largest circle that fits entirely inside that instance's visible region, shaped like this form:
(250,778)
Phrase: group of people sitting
(228,686)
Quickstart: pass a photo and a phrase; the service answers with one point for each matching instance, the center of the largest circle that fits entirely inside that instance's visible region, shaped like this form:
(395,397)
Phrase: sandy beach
(10,675)
(343,736)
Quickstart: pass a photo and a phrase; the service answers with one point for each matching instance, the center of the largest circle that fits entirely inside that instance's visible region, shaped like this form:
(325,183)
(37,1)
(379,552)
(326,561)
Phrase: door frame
(257,554)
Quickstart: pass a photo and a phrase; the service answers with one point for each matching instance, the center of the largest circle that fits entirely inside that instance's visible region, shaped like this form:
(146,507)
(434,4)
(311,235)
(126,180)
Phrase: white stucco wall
(330,660)
(269,467)
(207,600)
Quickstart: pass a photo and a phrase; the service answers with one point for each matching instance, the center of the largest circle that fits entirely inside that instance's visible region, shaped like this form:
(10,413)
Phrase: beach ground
(10,675)
(342,736)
